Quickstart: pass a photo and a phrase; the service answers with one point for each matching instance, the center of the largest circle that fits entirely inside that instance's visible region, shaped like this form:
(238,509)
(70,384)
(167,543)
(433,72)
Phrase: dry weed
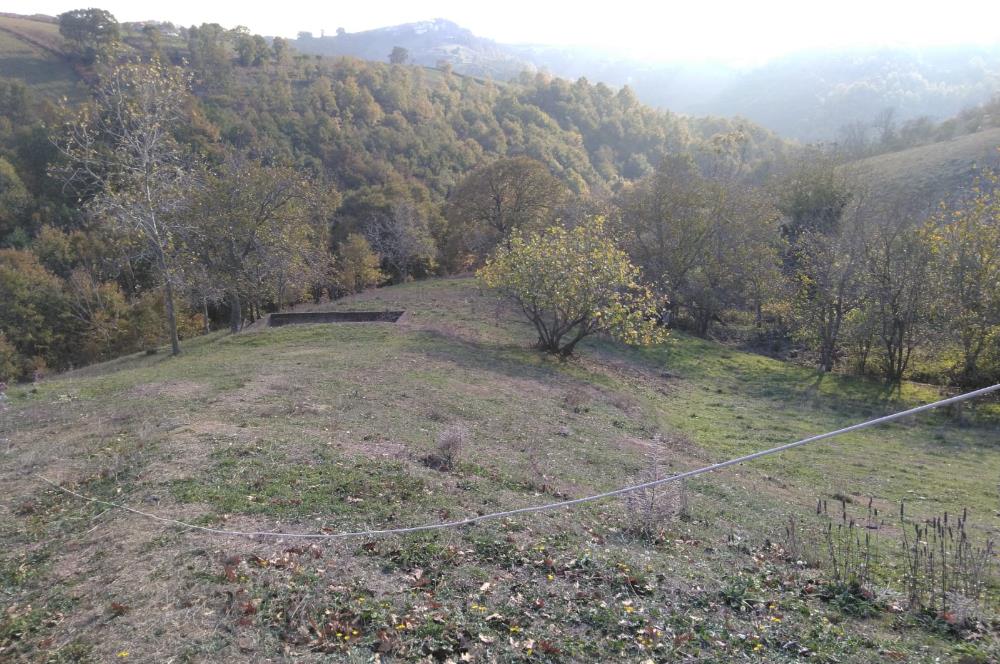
(450,444)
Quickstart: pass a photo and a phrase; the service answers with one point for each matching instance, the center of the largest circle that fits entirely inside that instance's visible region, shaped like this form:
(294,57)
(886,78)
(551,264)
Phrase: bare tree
(854,140)
(885,125)
(124,159)
(403,240)
(896,284)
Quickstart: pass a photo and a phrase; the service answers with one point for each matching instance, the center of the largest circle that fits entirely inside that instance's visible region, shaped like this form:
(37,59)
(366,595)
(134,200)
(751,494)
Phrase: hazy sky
(747,31)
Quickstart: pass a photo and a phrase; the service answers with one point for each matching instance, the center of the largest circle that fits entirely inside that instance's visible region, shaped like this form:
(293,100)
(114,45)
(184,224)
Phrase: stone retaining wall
(277,320)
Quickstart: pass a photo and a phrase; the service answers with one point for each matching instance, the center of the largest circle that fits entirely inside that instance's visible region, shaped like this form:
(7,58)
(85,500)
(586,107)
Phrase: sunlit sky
(733,31)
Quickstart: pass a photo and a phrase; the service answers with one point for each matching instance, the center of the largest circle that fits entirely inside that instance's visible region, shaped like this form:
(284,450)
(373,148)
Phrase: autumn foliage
(571,283)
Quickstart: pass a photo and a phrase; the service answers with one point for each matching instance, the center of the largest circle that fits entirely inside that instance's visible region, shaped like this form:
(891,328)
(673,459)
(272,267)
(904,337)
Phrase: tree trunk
(168,302)
(204,314)
(704,322)
(235,313)
(826,360)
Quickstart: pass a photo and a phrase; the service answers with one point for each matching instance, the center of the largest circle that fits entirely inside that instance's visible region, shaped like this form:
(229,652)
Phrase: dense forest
(214,175)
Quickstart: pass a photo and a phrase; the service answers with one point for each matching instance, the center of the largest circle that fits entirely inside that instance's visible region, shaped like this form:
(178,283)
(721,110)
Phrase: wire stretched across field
(535,508)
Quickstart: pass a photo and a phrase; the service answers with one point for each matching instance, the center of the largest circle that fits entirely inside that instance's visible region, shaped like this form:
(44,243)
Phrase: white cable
(538,508)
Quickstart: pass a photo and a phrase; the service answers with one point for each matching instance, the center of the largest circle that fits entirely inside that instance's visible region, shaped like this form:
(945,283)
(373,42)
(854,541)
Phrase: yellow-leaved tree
(571,283)
(356,265)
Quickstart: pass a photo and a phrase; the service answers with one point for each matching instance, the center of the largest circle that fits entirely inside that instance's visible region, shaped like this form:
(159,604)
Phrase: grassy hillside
(325,428)
(933,172)
(31,51)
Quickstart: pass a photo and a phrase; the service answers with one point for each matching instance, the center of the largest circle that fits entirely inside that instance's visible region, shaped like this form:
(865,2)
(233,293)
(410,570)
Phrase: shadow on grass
(511,360)
(715,366)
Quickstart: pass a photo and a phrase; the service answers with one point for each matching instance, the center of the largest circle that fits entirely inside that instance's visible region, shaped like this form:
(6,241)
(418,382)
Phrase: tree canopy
(91,32)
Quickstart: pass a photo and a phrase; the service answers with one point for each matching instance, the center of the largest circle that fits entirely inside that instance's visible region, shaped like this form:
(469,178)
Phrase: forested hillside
(382,135)
(808,96)
(214,176)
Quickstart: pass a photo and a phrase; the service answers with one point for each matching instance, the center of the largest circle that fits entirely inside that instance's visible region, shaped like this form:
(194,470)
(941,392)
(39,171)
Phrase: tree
(35,316)
(356,266)
(965,241)
(739,264)
(155,37)
(15,101)
(825,229)
(403,239)
(828,283)
(9,362)
(251,49)
(399,55)
(15,200)
(813,199)
(122,154)
(571,284)
(91,32)
(209,46)
(896,287)
(667,221)
(252,229)
(510,193)
(103,315)
(707,245)
(279,46)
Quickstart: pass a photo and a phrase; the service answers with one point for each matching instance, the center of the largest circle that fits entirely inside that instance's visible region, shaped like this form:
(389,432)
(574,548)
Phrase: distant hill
(806,96)
(812,96)
(428,43)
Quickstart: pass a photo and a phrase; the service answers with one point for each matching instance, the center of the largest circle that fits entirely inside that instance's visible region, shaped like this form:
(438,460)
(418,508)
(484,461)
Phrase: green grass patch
(323,427)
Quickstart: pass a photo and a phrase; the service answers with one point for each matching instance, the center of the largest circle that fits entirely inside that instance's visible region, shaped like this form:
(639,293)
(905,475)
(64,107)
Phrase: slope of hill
(369,114)
(31,51)
(325,428)
(935,172)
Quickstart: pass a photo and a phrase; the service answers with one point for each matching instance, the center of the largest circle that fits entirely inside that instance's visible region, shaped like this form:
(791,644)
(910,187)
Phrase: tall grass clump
(946,573)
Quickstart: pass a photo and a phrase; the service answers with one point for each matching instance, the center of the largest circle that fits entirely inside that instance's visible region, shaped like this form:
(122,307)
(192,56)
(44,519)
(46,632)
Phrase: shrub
(574,283)
(650,510)
(450,444)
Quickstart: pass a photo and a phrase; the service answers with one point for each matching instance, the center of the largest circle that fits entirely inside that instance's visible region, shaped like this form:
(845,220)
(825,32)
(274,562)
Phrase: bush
(451,442)
(574,283)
